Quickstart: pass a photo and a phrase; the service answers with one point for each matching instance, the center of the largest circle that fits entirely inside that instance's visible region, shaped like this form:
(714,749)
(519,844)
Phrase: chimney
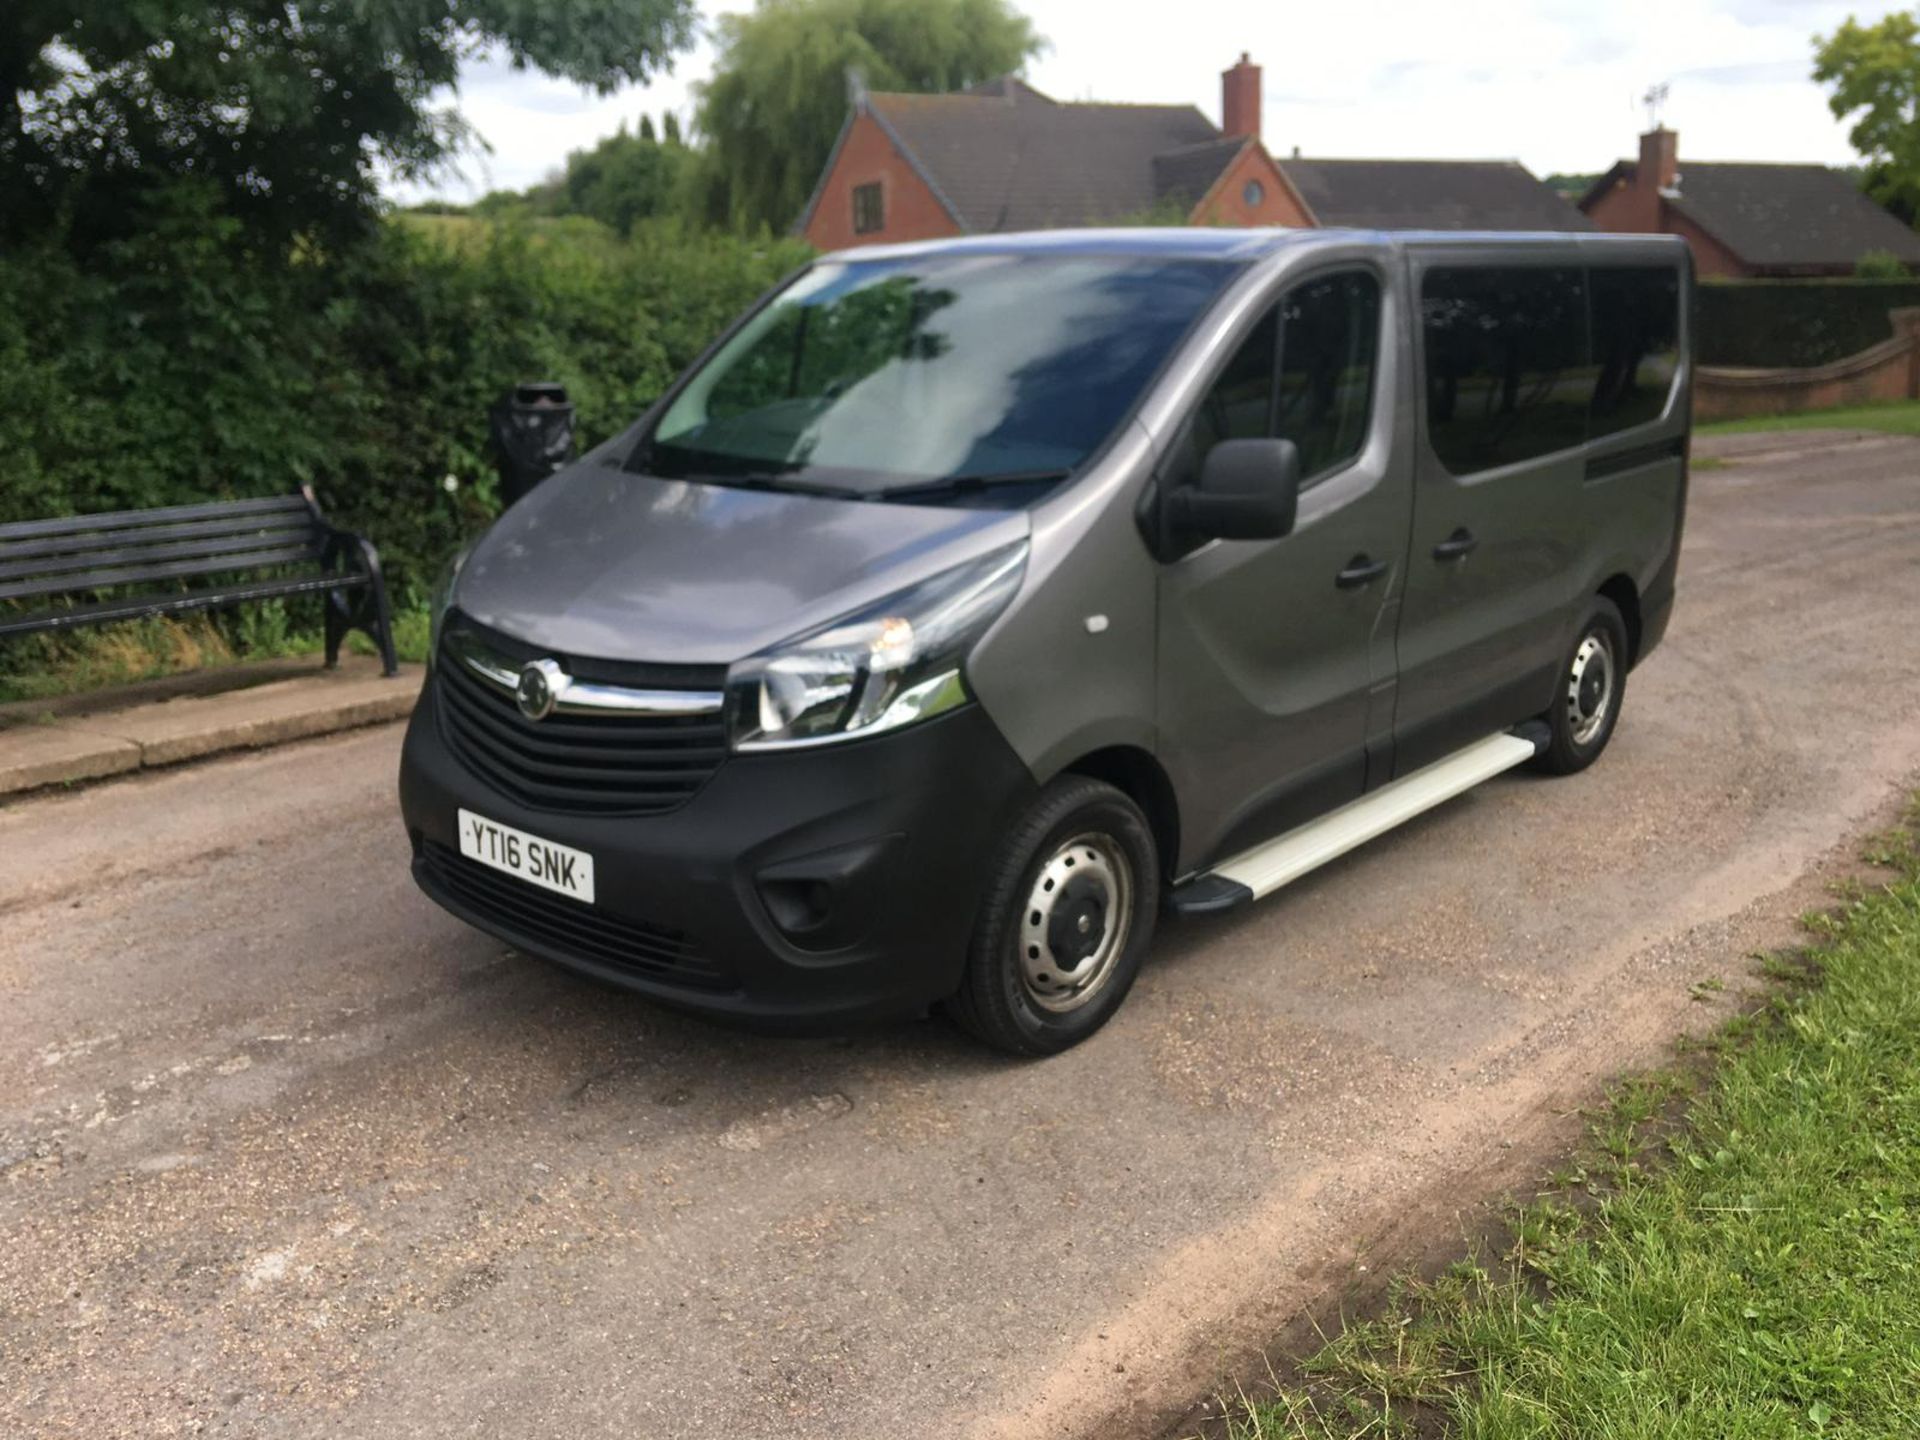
(1240,99)
(1659,159)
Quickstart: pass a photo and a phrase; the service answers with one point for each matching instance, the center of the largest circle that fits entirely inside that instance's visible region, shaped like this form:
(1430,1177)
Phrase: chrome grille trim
(584,697)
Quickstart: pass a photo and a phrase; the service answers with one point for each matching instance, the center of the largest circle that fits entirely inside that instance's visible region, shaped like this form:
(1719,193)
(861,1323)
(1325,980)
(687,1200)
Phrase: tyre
(1065,922)
(1593,683)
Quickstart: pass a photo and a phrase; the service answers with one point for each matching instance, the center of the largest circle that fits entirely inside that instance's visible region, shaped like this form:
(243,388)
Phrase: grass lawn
(1896,417)
(1748,1267)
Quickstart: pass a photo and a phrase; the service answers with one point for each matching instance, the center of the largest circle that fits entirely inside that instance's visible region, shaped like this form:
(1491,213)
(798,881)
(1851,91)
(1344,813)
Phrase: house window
(869,212)
(1253,192)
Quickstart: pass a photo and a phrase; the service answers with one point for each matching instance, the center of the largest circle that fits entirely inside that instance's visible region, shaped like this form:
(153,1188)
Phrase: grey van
(970,604)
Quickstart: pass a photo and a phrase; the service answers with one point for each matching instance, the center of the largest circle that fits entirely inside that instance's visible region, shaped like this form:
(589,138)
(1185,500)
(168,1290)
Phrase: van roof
(1215,243)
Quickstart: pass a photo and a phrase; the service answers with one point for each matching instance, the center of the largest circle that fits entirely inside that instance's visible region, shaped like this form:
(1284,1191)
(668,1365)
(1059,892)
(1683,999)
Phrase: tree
(291,108)
(1874,72)
(623,179)
(779,92)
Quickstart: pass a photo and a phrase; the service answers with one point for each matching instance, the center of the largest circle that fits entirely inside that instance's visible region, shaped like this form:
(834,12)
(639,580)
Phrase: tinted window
(880,373)
(1239,406)
(1508,376)
(1330,332)
(1324,336)
(1636,342)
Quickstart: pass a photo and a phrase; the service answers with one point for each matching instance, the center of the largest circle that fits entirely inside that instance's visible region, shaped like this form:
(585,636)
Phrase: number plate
(559,868)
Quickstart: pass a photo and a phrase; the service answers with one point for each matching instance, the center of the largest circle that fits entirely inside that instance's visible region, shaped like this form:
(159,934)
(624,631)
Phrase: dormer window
(869,210)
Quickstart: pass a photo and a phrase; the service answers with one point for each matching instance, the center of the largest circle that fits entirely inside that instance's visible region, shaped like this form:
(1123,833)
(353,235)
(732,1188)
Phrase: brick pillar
(1906,326)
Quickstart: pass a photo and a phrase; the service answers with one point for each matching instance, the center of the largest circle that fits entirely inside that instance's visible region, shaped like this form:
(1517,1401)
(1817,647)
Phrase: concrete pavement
(285,1151)
(163,723)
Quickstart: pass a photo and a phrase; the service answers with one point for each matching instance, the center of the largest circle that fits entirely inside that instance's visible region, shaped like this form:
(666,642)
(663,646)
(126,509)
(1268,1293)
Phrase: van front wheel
(1065,922)
(1586,703)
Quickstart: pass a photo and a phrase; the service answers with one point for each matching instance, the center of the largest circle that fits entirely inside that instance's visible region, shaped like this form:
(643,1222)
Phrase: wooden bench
(91,569)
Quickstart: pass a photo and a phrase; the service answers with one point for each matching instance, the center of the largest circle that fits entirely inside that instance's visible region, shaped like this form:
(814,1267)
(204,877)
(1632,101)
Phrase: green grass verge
(82,660)
(1748,1266)
(1895,417)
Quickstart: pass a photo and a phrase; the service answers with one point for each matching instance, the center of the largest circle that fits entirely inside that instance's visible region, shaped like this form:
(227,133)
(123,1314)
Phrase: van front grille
(555,925)
(611,764)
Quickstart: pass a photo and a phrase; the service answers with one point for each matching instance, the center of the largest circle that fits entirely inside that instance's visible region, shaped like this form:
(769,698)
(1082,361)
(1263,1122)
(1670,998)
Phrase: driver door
(1275,657)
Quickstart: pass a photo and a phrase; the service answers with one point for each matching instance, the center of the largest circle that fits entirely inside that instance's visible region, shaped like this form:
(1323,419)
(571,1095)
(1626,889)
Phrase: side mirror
(1247,490)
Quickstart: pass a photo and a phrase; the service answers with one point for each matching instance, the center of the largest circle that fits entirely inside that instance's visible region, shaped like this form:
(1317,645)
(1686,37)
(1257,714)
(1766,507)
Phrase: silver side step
(1285,858)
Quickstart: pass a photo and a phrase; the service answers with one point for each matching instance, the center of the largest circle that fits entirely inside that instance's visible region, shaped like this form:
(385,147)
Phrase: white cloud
(1554,83)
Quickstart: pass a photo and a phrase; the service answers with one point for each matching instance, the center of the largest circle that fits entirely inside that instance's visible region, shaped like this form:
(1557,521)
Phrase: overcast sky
(1552,83)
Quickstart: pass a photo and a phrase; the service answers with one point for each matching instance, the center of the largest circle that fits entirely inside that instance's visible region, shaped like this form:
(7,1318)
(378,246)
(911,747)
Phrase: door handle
(1361,570)
(1456,546)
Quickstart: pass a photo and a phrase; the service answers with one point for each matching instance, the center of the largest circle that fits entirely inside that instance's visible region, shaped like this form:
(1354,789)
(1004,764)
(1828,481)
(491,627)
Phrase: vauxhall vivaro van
(969,604)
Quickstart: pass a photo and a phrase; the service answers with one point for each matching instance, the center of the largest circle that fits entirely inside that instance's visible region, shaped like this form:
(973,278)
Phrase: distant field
(470,232)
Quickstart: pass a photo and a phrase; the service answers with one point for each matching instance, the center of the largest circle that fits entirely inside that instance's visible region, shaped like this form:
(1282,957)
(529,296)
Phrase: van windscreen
(933,374)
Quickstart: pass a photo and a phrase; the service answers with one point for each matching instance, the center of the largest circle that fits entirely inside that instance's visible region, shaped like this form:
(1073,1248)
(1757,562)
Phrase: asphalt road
(284,1150)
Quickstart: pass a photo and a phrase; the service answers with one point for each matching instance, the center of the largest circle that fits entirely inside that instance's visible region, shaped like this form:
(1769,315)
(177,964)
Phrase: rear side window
(1636,341)
(1304,373)
(1508,375)
(1524,362)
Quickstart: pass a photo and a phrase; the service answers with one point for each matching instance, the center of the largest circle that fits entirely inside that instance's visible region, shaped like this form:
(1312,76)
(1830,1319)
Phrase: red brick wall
(911,209)
(1225,204)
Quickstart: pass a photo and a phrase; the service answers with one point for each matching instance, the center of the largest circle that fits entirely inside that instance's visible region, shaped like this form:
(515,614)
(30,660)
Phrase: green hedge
(1795,322)
(178,366)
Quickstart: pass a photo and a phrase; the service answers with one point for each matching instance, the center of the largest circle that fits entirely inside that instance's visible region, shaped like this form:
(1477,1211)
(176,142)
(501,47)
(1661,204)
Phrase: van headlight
(883,667)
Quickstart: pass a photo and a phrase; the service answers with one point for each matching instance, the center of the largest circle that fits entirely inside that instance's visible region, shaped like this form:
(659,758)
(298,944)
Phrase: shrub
(1880,265)
(1795,322)
(179,365)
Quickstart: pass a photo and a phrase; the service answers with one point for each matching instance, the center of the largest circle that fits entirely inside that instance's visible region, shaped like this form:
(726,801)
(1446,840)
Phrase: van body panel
(602,562)
(1481,635)
(1069,668)
(1269,672)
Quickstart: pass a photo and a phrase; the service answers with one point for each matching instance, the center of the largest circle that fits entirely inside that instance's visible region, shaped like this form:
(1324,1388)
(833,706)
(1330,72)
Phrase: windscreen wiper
(779,484)
(971,484)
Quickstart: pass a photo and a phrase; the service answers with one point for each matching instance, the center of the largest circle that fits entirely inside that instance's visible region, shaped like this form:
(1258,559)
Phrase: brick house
(1747,221)
(1003,156)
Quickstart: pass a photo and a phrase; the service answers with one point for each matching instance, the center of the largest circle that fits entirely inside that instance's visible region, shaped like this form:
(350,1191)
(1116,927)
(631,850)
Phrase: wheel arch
(1139,776)
(1625,595)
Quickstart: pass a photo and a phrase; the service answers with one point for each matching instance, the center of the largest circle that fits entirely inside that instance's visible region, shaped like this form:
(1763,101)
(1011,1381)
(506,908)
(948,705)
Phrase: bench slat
(142,574)
(206,599)
(129,557)
(11,550)
(117,519)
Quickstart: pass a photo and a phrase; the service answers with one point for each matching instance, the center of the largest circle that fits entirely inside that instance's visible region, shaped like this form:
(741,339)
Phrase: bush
(180,365)
(1880,265)
(1770,323)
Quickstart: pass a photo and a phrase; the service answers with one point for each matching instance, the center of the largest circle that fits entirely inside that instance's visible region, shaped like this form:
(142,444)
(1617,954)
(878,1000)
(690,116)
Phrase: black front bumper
(794,890)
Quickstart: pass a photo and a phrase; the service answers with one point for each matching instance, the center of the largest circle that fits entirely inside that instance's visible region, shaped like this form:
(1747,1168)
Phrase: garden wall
(1888,370)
